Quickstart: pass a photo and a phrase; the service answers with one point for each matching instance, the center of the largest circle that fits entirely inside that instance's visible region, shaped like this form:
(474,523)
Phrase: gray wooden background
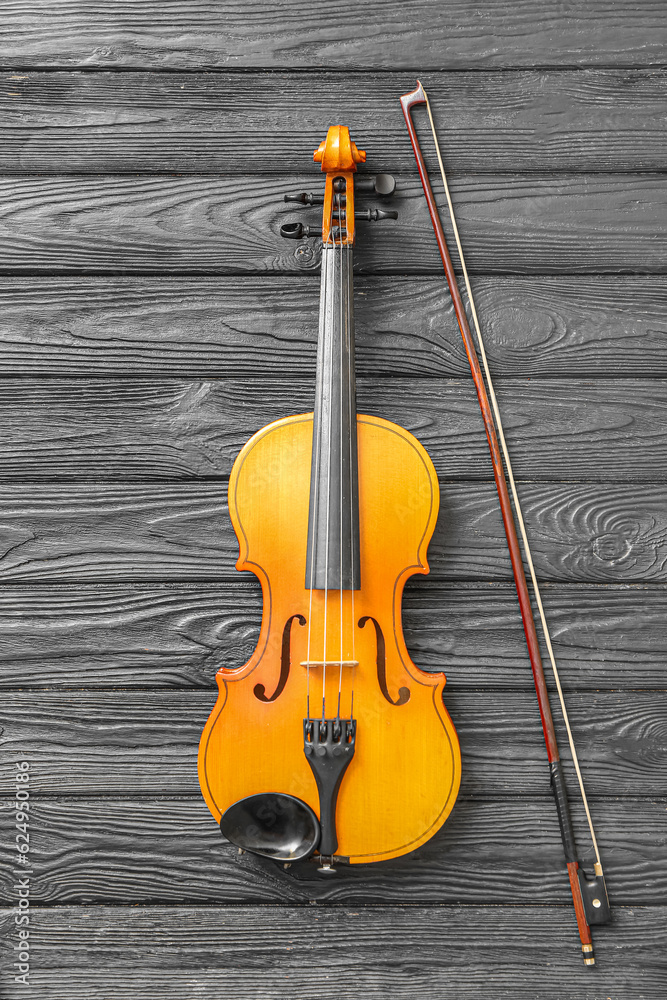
(152,319)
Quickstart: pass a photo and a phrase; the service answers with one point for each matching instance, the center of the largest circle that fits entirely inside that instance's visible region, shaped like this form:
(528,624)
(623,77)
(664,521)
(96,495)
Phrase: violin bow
(591,904)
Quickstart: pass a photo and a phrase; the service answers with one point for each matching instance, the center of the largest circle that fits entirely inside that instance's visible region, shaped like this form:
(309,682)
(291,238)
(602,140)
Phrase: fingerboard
(332,560)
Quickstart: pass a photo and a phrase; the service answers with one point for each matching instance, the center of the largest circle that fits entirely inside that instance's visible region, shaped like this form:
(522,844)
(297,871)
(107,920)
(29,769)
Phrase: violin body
(404,777)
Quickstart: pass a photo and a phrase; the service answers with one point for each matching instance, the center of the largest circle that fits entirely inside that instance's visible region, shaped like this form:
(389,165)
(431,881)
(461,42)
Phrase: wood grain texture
(108,742)
(495,851)
(206,224)
(407,953)
(549,327)
(600,533)
(141,429)
(376,35)
(144,290)
(176,636)
(225,122)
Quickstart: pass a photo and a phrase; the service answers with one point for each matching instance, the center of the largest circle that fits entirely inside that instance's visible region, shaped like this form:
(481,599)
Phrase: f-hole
(381,660)
(285,660)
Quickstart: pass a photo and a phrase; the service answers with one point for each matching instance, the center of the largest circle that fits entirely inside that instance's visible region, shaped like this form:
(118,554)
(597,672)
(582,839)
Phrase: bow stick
(591,905)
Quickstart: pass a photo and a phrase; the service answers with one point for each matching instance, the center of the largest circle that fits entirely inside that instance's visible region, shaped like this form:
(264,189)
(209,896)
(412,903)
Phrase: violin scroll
(339,157)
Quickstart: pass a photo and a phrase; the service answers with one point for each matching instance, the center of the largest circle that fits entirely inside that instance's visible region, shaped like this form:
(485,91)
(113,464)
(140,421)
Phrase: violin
(330,739)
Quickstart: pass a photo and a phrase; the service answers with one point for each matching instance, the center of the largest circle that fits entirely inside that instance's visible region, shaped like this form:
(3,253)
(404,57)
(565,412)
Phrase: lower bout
(396,806)
(395,795)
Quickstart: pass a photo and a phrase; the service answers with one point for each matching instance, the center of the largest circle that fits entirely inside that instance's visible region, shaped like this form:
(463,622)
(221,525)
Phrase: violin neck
(332,560)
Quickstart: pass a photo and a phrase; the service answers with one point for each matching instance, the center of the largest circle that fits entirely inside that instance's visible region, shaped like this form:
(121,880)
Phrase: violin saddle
(272,824)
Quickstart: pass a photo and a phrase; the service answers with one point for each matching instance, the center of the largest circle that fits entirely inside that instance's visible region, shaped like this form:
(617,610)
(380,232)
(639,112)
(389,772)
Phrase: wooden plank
(495,851)
(105,745)
(163,636)
(225,122)
(129,429)
(108,742)
(376,34)
(569,326)
(408,953)
(509,224)
(581,533)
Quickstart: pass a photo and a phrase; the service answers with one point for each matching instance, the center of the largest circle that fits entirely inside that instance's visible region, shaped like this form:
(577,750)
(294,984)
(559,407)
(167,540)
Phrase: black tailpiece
(329,747)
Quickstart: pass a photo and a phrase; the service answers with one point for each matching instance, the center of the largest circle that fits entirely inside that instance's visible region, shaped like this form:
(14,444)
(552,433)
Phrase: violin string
(316,495)
(334,201)
(340,448)
(352,423)
(515,496)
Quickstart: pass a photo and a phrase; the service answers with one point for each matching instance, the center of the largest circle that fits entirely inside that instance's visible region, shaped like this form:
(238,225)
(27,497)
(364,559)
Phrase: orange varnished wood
(404,777)
(339,157)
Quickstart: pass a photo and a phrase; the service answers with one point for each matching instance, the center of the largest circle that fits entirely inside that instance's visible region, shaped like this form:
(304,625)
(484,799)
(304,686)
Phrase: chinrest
(272,824)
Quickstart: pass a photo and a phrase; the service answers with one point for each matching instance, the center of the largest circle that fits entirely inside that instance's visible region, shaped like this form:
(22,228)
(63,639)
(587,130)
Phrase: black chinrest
(272,824)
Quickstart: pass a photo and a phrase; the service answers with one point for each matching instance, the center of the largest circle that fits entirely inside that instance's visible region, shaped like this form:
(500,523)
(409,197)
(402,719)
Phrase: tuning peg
(382,184)
(375,215)
(297,231)
(306,198)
